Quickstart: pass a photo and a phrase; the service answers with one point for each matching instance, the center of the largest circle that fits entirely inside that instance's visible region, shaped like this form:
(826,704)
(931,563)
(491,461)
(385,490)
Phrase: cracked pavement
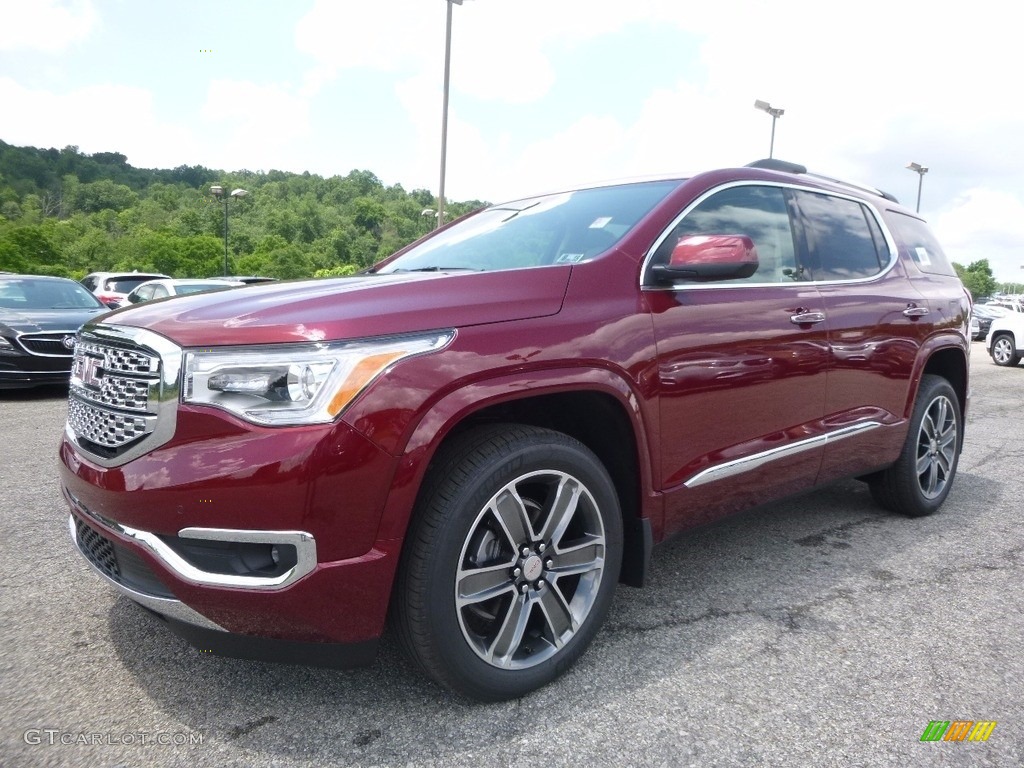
(815,631)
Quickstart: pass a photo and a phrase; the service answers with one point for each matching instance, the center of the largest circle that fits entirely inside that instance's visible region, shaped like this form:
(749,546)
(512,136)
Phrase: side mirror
(709,257)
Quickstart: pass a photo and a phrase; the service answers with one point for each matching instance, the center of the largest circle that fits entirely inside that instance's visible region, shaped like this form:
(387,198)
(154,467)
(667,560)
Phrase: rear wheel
(512,561)
(1004,350)
(919,481)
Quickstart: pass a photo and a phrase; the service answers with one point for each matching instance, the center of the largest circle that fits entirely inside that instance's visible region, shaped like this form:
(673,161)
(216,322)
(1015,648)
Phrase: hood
(350,307)
(48,320)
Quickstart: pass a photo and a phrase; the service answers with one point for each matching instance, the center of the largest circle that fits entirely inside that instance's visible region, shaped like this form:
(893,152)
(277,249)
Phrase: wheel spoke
(940,417)
(557,616)
(510,511)
(477,585)
(932,471)
(581,558)
(563,508)
(510,636)
(923,462)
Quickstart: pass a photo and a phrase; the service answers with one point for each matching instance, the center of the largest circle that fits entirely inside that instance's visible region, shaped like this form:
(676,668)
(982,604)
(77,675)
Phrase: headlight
(281,385)
(6,348)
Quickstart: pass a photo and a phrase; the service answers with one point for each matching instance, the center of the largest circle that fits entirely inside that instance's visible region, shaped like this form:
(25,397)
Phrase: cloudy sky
(544,93)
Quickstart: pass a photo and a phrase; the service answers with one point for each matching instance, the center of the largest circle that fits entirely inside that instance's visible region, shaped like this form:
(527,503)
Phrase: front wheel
(511,563)
(1004,351)
(919,481)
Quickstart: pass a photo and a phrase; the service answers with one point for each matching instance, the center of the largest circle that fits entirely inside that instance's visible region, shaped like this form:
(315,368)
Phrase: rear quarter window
(840,242)
(915,237)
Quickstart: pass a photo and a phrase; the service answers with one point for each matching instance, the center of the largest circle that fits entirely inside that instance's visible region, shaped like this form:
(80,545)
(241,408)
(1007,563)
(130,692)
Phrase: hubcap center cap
(533,567)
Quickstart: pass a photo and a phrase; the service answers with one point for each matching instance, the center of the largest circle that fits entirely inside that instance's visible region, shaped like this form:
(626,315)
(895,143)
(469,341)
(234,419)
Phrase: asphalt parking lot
(819,631)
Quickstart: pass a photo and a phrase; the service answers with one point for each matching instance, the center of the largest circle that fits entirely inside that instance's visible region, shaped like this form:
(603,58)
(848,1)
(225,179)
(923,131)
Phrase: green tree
(977,278)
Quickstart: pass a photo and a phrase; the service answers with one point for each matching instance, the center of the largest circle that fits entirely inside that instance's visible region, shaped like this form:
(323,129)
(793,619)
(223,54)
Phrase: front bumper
(126,561)
(187,531)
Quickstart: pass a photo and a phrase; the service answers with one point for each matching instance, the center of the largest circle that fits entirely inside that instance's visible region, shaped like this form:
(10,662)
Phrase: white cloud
(44,25)
(99,118)
(253,122)
(985,224)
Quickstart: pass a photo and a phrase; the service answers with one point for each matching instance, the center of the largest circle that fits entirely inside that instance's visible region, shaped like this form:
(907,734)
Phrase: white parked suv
(1005,340)
(113,287)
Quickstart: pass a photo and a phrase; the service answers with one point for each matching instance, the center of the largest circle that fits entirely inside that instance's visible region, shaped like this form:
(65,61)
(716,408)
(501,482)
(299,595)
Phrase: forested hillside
(67,213)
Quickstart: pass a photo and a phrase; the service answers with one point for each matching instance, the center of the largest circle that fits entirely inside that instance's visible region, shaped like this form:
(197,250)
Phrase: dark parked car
(247,279)
(488,431)
(984,315)
(39,318)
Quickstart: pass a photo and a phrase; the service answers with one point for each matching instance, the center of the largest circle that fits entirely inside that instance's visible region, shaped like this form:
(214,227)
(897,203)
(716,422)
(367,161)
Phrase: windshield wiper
(436,268)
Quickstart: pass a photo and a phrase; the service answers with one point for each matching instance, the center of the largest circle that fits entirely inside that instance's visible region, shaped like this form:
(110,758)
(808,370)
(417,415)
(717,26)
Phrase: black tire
(1004,350)
(919,481)
(511,562)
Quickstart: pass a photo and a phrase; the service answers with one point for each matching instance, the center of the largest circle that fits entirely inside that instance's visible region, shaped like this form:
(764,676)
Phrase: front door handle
(807,318)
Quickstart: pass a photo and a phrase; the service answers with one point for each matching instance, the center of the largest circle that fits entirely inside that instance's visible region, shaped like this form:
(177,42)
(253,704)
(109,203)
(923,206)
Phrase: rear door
(877,322)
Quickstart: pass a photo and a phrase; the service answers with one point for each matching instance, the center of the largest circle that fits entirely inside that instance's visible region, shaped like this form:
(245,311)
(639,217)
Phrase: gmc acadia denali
(483,434)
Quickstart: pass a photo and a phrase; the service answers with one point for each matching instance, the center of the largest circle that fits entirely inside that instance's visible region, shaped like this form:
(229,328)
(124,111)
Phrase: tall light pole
(776,113)
(444,107)
(920,170)
(221,193)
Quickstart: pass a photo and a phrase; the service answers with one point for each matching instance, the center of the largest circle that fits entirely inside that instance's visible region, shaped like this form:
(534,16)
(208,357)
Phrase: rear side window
(841,237)
(914,235)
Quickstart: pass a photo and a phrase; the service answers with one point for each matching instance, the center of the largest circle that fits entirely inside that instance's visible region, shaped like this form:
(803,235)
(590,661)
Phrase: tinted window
(924,249)
(555,229)
(126,283)
(46,294)
(760,213)
(839,240)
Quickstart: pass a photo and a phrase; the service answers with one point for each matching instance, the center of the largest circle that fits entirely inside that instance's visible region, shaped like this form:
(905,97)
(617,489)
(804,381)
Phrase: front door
(742,366)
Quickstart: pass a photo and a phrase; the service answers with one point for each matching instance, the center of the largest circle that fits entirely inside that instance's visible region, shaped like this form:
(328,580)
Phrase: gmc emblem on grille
(92,371)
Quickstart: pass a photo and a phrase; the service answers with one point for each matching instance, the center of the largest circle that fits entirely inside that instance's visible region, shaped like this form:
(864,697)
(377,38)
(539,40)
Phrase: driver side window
(760,213)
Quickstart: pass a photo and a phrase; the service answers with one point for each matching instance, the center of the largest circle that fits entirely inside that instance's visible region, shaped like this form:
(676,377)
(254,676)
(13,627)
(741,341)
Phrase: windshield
(46,294)
(566,228)
(127,284)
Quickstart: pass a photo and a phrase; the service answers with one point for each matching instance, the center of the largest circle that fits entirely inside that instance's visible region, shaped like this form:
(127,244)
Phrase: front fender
(457,406)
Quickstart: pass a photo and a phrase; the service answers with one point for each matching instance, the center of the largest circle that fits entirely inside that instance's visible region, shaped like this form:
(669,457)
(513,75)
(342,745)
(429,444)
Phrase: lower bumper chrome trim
(173,609)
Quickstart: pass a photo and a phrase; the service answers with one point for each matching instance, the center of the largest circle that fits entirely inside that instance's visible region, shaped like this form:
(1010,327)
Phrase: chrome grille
(120,392)
(120,360)
(49,344)
(123,393)
(98,549)
(103,427)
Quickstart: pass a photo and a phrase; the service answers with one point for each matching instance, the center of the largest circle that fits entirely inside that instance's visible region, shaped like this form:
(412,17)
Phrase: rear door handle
(913,311)
(807,318)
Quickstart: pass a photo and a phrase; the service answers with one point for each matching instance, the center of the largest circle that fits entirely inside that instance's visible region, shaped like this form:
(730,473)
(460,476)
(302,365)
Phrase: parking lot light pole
(920,170)
(776,113)
(444,107)
(221,193)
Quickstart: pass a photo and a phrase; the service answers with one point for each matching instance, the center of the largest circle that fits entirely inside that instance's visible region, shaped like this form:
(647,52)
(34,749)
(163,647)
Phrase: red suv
(485,433)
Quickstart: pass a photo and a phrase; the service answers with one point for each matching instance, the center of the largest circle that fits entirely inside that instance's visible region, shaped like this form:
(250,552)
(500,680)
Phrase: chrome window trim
(165,606)
(890,241)
(757,460)
(163,390)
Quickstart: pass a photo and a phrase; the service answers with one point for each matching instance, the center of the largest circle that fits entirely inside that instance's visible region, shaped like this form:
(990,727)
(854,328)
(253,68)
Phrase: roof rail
(772,164)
